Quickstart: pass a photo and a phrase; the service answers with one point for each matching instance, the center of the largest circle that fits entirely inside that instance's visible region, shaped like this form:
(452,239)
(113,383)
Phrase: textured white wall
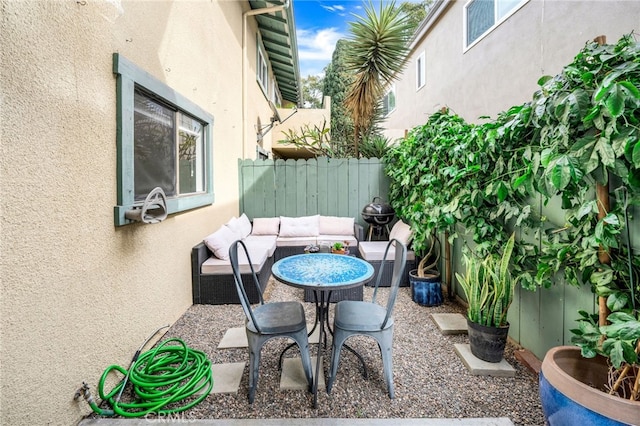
(502,69)
(77,293)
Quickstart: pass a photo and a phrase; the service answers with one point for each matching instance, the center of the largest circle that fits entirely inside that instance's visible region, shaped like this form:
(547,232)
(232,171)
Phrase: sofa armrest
(199,253)
(358,231)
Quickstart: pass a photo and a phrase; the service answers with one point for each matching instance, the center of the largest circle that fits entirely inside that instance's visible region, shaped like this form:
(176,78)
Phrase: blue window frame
(163,140)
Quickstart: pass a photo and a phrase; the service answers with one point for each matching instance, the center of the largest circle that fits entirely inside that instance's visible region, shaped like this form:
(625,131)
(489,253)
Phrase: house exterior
(479,58)
(83,285)
(479,63)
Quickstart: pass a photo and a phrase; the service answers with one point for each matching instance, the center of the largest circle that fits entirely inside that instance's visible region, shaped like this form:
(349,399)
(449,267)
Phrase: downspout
(245,15)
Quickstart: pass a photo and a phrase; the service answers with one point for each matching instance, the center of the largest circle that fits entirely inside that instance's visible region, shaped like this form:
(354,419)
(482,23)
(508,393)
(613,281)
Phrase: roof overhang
(278,33)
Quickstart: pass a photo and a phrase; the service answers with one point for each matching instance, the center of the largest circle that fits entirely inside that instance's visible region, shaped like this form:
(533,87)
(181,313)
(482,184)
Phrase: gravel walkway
(430,380)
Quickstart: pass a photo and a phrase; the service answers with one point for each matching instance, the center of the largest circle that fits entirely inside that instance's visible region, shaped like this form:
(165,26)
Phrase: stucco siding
(79,294)
(503,68)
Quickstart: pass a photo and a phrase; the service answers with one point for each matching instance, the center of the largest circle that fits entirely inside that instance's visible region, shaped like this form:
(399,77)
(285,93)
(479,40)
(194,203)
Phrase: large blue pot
(568,400)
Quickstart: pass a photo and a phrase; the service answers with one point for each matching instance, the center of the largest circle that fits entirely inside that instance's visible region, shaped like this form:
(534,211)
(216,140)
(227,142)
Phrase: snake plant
(488,286)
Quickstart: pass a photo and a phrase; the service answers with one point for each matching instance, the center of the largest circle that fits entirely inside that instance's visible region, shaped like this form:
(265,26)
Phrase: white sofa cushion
(304,226)
(267,242)
(333,225)
(374,251)
(220,241)
(266,226)
(401,232)
(215,266)
(295,241)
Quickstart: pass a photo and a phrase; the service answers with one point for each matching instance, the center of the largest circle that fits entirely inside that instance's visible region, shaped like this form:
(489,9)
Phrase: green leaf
(502,192)
(615,101)
(635,157)
(630,89)
(605,151)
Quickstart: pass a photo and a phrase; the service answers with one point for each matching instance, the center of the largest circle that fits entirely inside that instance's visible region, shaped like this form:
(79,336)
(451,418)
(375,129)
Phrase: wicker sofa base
(220,289)
(387,274)
(355,293)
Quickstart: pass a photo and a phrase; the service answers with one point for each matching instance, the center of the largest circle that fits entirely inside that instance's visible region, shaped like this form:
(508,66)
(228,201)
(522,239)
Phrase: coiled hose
(167,379)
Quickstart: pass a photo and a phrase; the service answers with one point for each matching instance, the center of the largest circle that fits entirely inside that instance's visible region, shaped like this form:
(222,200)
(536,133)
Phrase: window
(481,16)
(262,72)
(163,140)
(389,101)
(420,71)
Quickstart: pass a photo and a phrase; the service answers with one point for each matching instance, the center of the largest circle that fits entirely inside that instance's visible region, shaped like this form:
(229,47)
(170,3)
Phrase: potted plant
(488,286)
(425,282)
(339,248)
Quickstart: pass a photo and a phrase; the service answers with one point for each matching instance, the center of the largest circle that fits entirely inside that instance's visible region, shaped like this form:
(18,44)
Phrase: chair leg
(386,350)
(254,365)
(303,343)
(338,340)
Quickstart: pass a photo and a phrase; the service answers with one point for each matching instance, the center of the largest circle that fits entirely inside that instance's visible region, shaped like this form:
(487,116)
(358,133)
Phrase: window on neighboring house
(420,71)
(481,16)
(164,140)
(389,101)
(262,72)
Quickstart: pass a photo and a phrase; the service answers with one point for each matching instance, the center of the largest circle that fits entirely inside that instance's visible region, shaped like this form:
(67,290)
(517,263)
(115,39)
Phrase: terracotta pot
(570,391)
(334,251)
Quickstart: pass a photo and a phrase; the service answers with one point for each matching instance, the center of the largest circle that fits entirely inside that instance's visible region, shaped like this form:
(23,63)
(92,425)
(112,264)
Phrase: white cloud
(315,48)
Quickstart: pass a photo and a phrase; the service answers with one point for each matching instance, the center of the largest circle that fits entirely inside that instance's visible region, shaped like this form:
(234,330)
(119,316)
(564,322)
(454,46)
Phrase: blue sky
(320,24)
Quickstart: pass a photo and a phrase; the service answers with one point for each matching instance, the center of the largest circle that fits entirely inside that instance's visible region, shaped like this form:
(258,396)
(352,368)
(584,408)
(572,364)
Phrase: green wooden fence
(326,186)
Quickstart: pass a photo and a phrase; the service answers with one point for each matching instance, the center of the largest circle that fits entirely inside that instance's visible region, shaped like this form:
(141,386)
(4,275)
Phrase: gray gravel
(430,379)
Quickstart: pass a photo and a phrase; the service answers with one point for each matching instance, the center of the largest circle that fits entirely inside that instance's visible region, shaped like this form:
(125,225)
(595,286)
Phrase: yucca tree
(378,48)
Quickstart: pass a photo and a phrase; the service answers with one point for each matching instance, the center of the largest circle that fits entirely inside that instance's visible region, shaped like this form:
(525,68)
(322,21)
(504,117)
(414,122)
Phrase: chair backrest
(399,263)
(242,294)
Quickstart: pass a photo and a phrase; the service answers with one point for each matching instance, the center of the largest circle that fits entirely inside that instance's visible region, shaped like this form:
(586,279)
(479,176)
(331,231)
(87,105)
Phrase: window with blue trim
(164,140)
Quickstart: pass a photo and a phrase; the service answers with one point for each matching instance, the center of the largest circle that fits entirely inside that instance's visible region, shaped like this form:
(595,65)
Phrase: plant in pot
(488,286)
(339,248)
(425,281)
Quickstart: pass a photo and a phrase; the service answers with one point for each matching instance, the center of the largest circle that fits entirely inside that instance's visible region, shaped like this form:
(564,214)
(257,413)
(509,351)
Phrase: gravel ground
(430,379)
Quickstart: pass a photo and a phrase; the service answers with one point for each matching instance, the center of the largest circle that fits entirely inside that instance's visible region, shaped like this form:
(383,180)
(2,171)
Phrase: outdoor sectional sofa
(267,240)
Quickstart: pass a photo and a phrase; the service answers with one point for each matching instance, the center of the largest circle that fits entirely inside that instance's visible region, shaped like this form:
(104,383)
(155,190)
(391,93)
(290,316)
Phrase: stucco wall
(79,294)
(503,68)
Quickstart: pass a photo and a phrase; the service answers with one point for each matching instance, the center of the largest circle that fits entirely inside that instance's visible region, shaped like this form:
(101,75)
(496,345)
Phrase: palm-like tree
(377,54)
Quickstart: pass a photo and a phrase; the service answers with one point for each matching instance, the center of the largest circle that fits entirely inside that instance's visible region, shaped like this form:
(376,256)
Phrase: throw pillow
(245,225)
(220,241)
(305,226)
(401,232)
(332,225)
(265,226)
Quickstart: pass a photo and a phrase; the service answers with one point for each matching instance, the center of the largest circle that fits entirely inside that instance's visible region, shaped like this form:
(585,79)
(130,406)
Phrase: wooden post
(602,196)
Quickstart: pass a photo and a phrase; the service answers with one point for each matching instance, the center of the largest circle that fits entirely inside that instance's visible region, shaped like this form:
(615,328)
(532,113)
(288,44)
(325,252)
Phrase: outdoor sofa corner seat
(373,252)
(267,240)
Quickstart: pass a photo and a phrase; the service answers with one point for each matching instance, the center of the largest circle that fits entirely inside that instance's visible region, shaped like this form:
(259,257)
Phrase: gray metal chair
(370,318)
(268,321)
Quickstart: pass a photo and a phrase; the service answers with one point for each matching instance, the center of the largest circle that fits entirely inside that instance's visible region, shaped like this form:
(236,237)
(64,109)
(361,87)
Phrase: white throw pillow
(266,226)
(305,226)
(332,225)
(401,232)
(235,227)
(245,225)
(220,241)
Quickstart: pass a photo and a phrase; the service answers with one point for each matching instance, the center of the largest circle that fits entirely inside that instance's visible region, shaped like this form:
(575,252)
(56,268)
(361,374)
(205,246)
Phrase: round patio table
(322,273)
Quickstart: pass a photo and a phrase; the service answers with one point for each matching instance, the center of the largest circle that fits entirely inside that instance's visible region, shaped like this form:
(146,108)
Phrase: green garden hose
(167,379)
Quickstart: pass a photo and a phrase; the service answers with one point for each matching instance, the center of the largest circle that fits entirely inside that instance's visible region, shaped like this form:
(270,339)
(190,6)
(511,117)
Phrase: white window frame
(385,101)
(497,20)
(421,74)
(262,70)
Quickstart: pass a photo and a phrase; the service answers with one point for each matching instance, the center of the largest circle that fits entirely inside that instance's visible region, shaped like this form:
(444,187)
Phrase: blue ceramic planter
(426,291)
(568,400)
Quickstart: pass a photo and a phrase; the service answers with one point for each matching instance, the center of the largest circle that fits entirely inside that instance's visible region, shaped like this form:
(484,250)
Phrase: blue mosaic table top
(322,271)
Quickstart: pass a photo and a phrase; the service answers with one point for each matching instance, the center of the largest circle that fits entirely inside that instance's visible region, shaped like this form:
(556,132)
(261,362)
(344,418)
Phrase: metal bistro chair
(268,321)
(370,319)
